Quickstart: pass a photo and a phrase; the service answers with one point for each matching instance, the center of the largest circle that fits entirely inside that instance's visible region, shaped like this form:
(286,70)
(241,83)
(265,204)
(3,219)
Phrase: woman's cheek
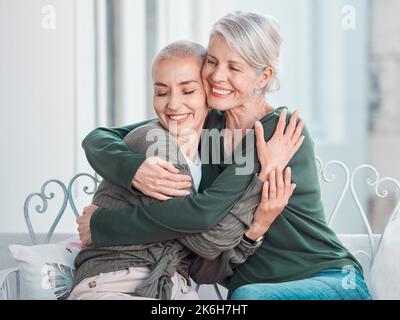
(159,103)
(206,74)
(195,100)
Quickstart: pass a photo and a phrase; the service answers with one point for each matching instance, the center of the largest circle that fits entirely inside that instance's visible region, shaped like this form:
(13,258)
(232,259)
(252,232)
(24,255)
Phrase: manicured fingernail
(258,124)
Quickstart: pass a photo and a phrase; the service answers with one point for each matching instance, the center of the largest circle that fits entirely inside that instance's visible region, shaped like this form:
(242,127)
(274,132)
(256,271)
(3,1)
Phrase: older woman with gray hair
(300,257)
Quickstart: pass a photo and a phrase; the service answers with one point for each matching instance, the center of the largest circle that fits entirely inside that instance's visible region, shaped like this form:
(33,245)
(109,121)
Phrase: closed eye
(161,94)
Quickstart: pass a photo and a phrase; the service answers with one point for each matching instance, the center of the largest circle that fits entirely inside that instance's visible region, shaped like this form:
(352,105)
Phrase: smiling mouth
(220,92)
(179,117)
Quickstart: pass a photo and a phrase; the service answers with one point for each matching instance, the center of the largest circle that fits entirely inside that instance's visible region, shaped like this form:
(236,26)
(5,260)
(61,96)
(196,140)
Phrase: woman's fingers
(289,186)
(173,184)
(159,196)
(292,124)
(265,192)
(156,175)
(280,127)
(280,187)
(84,210)
(171,192)
(298,144)
(288,176)
(288,182)
(260,140)
(169,172)
(177,177)
(272,185)
(168,166)
(298,131)
(165,189)
(292,190)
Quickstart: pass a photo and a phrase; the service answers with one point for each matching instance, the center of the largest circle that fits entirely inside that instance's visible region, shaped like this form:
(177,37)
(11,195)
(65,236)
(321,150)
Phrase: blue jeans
(330,284)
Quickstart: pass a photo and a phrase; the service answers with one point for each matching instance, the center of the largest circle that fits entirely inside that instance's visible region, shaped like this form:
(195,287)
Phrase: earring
(258,89)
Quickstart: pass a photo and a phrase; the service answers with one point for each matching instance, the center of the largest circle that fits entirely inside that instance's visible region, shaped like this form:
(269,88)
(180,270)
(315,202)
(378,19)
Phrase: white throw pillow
(47,269)
(384,278)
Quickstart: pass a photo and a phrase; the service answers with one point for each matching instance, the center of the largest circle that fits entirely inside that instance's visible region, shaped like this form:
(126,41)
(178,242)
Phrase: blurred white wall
(46,100)
(385,130)
(54,81)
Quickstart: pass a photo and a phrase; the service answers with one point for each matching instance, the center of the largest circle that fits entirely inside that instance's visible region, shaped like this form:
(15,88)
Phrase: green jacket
(166,258)
(298,245)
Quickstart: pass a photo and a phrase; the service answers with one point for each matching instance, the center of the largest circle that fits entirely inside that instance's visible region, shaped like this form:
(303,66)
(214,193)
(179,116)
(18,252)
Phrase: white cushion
(384,278)
(47,269)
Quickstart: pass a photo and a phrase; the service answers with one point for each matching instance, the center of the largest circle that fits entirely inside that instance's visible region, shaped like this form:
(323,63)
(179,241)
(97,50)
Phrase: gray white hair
(181,49)
(256,38)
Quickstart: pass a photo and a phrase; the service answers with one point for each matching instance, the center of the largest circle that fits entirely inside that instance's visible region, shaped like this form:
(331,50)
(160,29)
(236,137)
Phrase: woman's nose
(218,74)
(174,102)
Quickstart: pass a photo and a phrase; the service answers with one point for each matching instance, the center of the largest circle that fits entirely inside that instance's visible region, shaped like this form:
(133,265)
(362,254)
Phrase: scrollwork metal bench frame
(9,276)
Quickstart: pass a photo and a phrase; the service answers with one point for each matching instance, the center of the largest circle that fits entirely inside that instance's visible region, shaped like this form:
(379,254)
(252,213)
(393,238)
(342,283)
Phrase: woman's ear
(265,76)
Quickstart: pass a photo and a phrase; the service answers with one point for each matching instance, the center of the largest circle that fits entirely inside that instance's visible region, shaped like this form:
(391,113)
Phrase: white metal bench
(363,246)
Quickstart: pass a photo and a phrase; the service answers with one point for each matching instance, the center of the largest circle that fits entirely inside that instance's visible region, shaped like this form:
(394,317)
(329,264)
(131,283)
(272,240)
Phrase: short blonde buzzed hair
(181,49)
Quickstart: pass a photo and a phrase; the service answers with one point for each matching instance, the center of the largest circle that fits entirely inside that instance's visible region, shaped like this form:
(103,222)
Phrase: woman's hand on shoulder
(160,180)
(279,150)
